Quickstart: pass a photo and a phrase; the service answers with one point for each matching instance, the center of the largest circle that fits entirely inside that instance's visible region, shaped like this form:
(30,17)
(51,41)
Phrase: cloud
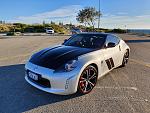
(126,21)
(122,13)
(66,14)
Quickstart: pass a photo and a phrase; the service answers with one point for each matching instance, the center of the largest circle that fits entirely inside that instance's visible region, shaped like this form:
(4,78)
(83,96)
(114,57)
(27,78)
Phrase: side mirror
(110,44)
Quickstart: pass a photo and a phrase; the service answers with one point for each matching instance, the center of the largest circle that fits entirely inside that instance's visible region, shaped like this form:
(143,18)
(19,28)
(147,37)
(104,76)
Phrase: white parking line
(128,98)
(18,56)
(119,88)
(140,62)
(14,57)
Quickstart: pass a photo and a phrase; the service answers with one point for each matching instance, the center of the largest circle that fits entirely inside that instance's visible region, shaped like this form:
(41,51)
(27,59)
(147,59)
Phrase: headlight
(69,66)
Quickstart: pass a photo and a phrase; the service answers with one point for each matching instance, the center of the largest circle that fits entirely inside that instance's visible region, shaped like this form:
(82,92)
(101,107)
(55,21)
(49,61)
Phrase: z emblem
(110,63)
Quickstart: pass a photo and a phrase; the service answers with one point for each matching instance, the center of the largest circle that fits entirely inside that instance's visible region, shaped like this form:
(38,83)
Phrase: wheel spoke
(93,76)
(81,82)
(85,88)
(91,84)
(126,60)
(82,79)
(88,72)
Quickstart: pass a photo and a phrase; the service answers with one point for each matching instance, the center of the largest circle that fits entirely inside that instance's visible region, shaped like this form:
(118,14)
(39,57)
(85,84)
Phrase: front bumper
(62,83)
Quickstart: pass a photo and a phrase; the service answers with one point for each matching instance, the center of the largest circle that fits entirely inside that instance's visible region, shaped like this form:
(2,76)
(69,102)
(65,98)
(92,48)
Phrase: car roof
(97,33)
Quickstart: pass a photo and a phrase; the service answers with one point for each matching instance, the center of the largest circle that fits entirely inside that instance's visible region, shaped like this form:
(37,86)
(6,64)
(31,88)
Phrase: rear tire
(125,58)
(87,80)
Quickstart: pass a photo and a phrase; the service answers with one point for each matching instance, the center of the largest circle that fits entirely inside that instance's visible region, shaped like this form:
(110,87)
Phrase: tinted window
(111,38)
(87,40)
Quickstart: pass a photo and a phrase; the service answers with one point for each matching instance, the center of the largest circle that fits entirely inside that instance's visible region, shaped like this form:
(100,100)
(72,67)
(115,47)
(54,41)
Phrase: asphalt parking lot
(124,90)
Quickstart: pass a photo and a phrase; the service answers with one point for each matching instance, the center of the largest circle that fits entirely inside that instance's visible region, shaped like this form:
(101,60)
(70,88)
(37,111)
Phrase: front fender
(87,60)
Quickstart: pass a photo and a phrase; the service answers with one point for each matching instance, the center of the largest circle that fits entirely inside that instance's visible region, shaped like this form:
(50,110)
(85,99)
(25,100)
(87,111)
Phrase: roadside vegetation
(18,28)
(87,17)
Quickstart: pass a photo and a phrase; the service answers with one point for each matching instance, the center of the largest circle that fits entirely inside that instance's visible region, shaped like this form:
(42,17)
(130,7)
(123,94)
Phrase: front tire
(88,80)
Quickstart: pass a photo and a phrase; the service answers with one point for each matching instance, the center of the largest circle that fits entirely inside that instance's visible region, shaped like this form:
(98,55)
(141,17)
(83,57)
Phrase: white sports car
(76,65)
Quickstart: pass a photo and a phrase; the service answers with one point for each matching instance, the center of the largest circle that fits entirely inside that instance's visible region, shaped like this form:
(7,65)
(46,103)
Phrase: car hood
(56,57)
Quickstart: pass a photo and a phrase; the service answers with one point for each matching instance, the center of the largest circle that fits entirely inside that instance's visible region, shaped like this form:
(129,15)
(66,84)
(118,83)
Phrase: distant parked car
(49,30)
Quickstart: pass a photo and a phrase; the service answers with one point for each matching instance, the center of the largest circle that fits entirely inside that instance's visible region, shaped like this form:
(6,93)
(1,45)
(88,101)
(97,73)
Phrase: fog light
(66,86)
(67,82)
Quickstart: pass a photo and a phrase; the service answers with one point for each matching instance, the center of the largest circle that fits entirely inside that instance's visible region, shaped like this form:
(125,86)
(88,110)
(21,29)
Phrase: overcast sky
(116,13)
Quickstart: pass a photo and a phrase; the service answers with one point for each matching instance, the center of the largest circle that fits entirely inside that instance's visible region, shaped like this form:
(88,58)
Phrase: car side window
(113,39)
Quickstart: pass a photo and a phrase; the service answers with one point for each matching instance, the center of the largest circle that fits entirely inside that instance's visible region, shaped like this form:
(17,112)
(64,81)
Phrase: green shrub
(10,34)
(118,31)
(90,29)
(4,28)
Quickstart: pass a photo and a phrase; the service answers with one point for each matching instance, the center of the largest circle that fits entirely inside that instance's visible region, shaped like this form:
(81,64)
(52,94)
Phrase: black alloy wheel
(88,80)
(125,58)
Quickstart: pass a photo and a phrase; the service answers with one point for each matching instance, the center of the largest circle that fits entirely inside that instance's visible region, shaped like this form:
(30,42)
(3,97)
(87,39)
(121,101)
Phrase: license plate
(33,76)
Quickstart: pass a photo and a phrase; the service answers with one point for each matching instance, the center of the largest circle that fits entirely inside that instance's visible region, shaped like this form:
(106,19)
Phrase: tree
(61,23)
(44,22)
(52,22)
(88,16)
(19,27)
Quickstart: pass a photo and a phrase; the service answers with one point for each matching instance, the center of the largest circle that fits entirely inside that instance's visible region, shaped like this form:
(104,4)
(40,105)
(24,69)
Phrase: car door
(111,54)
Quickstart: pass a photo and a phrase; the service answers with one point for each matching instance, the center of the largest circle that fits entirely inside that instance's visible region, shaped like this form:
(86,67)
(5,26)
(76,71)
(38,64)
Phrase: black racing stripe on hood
(54,58)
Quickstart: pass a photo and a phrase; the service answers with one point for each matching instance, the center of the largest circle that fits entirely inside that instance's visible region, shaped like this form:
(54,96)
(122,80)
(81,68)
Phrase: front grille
(41,81)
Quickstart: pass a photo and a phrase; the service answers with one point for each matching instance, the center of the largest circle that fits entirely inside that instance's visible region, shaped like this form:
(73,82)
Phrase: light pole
(99,15)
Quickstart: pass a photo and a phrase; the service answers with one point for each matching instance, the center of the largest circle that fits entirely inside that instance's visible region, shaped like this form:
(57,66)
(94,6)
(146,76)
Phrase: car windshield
(86,40)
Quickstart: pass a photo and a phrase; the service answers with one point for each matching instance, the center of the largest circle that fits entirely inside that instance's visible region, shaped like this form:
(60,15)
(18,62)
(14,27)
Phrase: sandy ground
(124,90)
